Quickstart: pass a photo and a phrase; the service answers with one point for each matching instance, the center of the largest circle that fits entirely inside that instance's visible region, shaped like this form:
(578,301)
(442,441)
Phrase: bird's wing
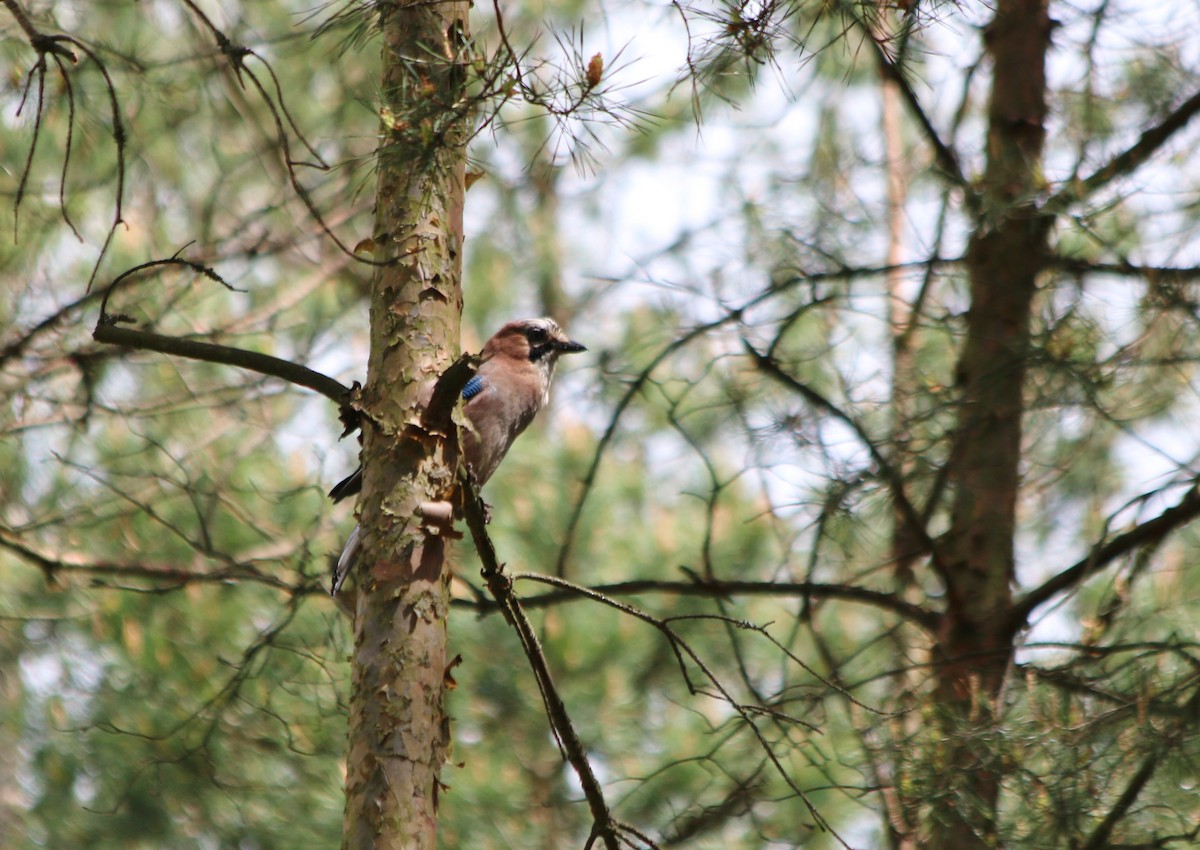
(474,387)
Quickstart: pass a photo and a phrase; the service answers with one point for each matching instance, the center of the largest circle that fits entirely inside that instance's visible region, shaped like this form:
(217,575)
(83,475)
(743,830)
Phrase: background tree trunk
(1006,252)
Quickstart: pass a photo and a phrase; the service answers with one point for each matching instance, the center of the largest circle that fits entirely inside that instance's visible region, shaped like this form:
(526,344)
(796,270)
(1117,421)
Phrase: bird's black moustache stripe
(537,352)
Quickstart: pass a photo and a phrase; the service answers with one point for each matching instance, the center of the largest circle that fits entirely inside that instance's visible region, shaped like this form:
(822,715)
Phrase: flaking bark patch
(399,734)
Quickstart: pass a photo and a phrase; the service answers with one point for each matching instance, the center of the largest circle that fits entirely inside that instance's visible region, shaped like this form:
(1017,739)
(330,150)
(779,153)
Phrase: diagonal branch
(604,825)
(236,55)
(17,347)
(1148,533)
(609,434)
(946,158)
(944,154)
(1103,832)
(770,366)
(1130,159)
(682,649)
(733,314)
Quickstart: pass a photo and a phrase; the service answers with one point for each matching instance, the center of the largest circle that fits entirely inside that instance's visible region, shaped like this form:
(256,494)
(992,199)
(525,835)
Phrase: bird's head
(539,341)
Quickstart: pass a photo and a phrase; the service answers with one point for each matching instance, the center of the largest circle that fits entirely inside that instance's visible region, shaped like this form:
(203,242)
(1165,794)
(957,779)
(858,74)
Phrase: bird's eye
(536,334)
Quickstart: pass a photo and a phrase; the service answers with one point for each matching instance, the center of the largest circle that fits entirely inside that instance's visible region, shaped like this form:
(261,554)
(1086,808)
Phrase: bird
(501,399)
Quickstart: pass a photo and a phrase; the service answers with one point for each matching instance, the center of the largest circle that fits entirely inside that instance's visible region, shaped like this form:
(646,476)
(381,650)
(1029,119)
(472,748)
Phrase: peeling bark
(399,730)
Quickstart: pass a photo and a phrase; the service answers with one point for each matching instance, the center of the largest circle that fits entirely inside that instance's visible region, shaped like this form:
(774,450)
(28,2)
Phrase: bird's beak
(569,346)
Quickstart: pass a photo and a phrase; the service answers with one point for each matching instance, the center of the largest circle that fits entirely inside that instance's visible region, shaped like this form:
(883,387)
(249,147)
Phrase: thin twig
(719,589)
(746,713)
(895,482)
(501,588)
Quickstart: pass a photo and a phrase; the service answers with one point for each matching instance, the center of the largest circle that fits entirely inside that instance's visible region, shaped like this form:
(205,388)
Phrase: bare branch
(1188,274)
(635,387)
(1130,159)
(1103,832)
(501,588)
(174,577)
(1103,554)
(236,54)
(769,366)
(733,315)
(682,648)
(17,347)
(264,364)
(717,589)
(106,331)
(946,158)
(55,45)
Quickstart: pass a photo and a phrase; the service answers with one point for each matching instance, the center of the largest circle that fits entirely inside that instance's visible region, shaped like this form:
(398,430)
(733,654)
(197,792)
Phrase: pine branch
(770,367)
(265,364)
(947,159)
(1130,159)
(725,589)
(1102,554)
(501,587)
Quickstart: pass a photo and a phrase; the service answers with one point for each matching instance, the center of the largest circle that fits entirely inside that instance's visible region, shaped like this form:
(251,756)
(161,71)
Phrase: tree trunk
(906,543)
(399,731)
(1005,255)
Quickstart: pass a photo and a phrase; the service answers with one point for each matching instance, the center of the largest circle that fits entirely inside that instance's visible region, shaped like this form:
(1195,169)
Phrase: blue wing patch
(473,388)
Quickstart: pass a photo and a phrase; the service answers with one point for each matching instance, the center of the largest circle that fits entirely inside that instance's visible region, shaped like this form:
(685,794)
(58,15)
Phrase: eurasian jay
(511,386)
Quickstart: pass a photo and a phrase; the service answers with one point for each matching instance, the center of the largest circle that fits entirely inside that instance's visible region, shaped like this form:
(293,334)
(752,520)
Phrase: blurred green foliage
(174,674)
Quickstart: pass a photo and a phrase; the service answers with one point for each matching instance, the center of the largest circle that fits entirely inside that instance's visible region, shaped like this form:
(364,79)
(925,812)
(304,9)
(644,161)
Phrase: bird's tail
(346,560)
